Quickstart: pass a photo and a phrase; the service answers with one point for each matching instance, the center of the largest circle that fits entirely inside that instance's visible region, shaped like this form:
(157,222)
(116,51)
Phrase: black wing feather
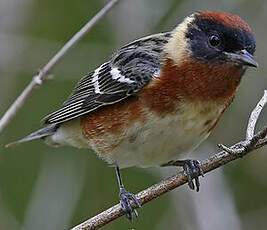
(128,71)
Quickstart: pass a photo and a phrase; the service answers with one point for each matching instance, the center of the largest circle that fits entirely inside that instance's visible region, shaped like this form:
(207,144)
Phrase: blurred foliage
(46,26)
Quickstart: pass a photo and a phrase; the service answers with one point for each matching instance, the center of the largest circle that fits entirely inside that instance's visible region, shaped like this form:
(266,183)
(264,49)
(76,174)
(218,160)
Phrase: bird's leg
(192,168)
(126,198)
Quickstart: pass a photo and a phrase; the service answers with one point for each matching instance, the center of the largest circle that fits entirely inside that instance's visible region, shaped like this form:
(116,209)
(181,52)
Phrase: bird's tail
(41,133)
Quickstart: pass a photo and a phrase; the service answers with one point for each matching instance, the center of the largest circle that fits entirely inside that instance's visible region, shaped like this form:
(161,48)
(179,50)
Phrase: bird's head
(213,37)
(206,56)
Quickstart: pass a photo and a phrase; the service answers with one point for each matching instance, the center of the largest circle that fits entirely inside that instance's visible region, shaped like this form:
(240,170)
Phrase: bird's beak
(242,57)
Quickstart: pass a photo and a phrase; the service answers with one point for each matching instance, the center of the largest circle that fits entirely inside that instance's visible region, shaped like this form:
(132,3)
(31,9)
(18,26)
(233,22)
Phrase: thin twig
(234,152)
(43,73)
(259,136)
(254,116)
(251,138)
(261,143)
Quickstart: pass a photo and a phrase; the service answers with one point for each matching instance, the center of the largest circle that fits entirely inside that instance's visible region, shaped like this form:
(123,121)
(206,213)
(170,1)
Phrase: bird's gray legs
(126,198)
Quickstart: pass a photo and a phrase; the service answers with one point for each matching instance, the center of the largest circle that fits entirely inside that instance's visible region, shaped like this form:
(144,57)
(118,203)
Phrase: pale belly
(156,142)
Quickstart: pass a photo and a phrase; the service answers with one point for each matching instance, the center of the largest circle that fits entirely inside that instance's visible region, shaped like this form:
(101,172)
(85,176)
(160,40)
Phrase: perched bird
(157,97)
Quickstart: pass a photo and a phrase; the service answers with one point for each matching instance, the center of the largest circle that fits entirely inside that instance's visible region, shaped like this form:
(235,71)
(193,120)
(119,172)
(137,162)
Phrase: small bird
(157,97)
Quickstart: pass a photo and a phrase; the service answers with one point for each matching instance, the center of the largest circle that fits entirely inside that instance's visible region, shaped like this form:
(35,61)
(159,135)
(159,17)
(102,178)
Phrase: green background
(47,188)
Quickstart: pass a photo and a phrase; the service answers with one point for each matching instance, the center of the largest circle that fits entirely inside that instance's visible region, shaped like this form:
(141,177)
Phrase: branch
(43,73)
(238,150)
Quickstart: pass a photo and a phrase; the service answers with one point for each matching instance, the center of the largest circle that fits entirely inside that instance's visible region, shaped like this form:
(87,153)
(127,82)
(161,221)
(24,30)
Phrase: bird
(156,98)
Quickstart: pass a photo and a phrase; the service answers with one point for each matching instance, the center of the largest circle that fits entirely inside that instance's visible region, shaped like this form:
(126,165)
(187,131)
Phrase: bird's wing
(129,70)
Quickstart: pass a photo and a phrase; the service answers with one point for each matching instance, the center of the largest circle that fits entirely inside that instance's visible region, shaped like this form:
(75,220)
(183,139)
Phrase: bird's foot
(192,168)
(129,203)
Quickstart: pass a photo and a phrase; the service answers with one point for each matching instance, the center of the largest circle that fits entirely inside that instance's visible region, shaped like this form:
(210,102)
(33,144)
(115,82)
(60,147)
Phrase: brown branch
(43,73)
(253,141)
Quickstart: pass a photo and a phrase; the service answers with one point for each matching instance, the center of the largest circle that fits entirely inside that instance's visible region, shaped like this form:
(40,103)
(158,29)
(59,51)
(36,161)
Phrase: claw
(127,207)
(192,169)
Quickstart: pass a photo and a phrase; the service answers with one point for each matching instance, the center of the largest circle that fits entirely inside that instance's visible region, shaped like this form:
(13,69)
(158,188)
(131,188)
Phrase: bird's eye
(214,40)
